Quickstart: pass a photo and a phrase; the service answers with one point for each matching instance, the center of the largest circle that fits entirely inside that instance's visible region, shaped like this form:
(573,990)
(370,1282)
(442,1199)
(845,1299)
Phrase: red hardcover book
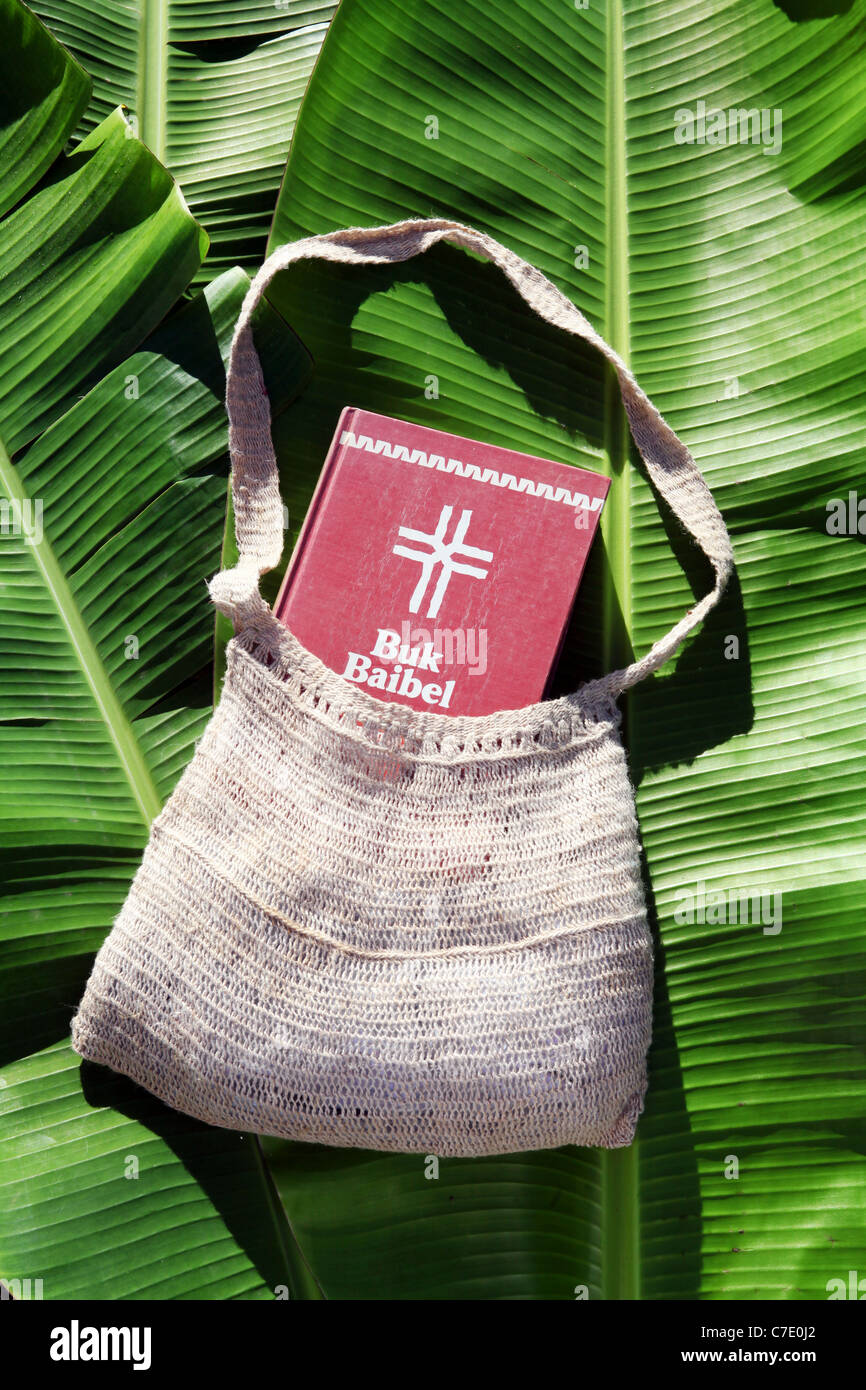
(438,571)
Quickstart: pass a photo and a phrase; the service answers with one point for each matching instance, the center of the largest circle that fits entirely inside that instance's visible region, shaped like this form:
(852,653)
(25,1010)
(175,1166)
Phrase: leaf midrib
(616,518)
(620,1253)
(114,717)
(153,77)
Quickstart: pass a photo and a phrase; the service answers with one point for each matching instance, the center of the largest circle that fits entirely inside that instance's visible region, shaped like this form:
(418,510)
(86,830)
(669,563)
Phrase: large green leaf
(108,1194)
(732,279)
(37,117)
(213,88)
(111,605)
(97,253)
(112,519)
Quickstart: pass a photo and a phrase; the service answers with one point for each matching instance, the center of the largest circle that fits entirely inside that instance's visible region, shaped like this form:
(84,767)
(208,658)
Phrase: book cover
(438,571)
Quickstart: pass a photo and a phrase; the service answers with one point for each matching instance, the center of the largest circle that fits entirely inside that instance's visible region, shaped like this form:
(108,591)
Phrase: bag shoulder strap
(255,481)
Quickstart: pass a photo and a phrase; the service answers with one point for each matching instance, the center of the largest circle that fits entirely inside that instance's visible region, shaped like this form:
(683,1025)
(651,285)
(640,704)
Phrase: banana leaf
(112,499)
(742,314)
(729,272)
(212,87)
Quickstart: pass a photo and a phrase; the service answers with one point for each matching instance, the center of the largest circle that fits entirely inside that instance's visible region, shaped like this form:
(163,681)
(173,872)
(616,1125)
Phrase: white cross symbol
(441,552)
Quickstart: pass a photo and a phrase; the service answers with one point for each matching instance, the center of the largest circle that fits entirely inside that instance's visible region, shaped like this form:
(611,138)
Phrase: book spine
(308,525)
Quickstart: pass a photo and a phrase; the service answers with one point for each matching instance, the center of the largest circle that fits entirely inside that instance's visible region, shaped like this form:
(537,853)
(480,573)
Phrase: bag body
(359,924)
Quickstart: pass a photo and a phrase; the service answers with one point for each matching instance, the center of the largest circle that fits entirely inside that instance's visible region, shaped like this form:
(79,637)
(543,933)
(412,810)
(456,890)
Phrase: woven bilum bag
(358,924)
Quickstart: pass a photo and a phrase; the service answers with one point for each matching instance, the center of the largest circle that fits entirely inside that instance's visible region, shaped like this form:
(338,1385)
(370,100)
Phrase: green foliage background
(732,280)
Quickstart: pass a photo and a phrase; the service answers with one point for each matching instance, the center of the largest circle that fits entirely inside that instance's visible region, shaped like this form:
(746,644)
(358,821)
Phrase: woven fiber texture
(358,924)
